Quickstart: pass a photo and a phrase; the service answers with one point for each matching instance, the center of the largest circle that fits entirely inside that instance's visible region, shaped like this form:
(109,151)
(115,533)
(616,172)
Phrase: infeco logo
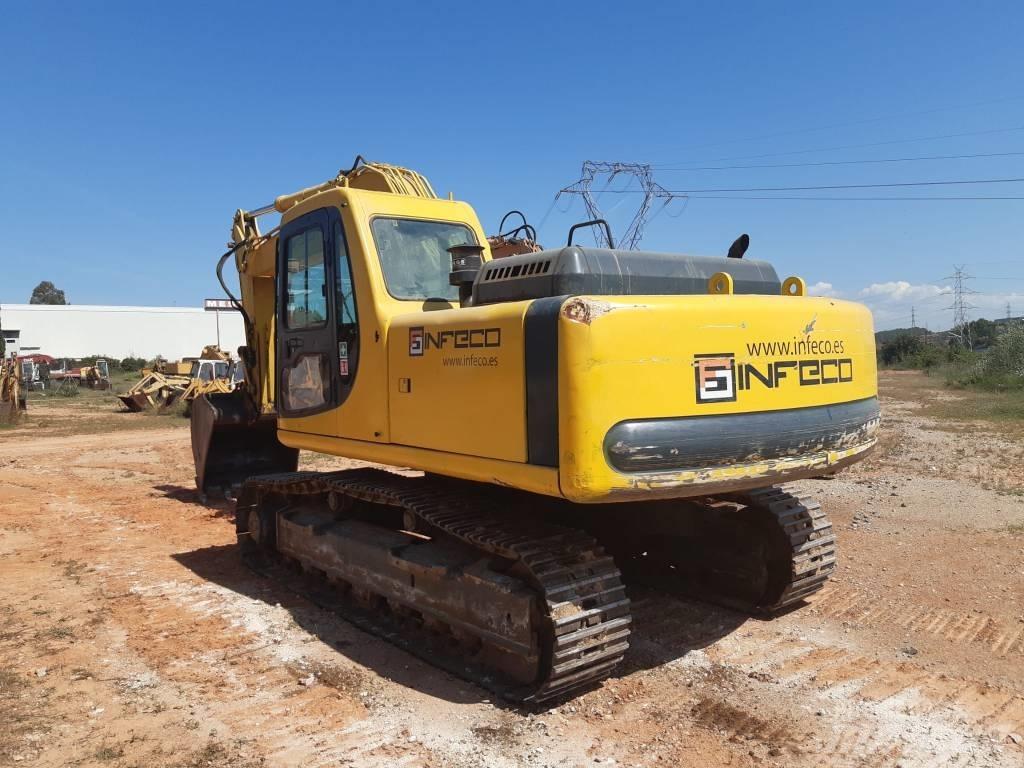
(718,377)
(420,340)
(415,342)
(715,377)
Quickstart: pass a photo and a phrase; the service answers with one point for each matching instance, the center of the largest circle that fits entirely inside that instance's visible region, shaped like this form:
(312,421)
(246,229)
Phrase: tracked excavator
(538,430)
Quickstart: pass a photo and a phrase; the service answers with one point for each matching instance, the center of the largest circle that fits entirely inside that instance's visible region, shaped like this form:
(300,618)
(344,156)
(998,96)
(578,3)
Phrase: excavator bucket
(231,442)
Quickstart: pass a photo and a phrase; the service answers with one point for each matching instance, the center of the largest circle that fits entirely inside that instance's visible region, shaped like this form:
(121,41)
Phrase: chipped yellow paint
(636,361)
(736,477)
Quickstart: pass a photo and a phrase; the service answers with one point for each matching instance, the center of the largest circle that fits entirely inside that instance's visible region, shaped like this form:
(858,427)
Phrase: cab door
(307,352)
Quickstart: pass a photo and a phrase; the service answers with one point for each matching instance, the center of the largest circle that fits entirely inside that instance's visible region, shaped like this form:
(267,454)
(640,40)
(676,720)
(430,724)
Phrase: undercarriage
(520,594)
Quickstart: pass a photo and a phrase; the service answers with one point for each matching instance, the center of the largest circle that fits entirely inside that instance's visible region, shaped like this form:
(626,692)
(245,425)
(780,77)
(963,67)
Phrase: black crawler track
(807,541)
(760,552)
(582,630)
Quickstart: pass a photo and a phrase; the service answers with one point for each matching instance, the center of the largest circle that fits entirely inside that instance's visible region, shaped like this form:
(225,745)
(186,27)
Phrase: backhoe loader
(557,422)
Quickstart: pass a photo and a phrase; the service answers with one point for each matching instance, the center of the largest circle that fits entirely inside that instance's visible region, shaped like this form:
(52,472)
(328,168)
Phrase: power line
(861,121)
(866,161)
(849,146)
(944,291)
(848,198)
(821,186)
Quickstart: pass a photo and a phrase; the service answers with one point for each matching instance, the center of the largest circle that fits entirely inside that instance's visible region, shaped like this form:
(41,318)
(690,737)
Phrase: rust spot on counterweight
(585,310)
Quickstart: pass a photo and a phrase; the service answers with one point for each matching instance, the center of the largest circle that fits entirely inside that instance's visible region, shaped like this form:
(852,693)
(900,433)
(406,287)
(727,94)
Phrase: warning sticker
(343,358)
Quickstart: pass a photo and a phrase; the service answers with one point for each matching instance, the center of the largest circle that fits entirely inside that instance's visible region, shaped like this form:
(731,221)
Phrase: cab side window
(306,281)
(306,379)
(346,290)
(345,302)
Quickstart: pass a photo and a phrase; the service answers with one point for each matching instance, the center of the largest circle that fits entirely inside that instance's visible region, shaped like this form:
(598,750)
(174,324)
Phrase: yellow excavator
(557,423)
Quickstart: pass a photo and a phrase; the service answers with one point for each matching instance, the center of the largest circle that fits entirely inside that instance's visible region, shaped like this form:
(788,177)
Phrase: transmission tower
(913,318)
(961,330)
(1008,315)
(650,189)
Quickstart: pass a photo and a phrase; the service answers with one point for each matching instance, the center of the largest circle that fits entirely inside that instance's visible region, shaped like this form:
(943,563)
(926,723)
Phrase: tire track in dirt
(818,699)
(179,633)
(1002,638)
(239,652)
(961,713)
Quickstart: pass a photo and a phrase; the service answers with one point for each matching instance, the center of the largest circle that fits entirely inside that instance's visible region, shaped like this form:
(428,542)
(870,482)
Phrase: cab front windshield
(207,370)
(414,256)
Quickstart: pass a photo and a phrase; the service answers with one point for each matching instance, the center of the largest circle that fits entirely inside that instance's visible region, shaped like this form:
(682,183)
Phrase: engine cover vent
(518,270)
(574,271)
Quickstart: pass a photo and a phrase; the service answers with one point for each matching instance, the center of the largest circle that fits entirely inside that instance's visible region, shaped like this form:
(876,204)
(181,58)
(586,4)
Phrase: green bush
(909,351)
(927,357)
(131,364)
(68,388)
(90,360)
(900,349)
(999,368)
(1006,358)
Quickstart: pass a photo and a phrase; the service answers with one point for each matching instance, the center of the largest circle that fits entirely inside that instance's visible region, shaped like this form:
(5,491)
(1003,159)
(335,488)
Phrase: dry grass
(348,680)
(58,632)
(216,755)
(344,679)
(107,753)
(19,715)
(956,409)
(10,682)
(89,412)
(505,733)
(73,569)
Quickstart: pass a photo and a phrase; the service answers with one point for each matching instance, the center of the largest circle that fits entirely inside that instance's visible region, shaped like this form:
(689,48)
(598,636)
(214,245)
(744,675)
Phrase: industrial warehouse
(78,331)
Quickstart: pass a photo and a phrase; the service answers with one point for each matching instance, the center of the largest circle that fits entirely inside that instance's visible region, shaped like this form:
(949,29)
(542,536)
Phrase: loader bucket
(230,443)
(135,403)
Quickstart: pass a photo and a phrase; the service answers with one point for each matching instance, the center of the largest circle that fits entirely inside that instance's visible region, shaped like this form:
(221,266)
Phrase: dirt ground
(131,635)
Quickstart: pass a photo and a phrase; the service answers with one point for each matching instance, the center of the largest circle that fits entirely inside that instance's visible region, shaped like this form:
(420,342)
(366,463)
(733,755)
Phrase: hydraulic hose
(249,327)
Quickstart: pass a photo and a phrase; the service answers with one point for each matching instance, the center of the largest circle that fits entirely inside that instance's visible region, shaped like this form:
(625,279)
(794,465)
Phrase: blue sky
(132,131)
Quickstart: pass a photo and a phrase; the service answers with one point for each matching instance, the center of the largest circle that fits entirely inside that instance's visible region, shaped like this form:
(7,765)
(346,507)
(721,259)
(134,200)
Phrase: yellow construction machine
(12,397)
(579,417)
(167,383)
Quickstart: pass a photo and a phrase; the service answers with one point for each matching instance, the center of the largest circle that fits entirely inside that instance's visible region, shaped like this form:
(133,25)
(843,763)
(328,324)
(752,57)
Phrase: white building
(79,330)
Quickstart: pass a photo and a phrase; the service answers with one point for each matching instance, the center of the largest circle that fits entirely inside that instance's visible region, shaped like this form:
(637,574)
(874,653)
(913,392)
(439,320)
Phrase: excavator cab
(316,308)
